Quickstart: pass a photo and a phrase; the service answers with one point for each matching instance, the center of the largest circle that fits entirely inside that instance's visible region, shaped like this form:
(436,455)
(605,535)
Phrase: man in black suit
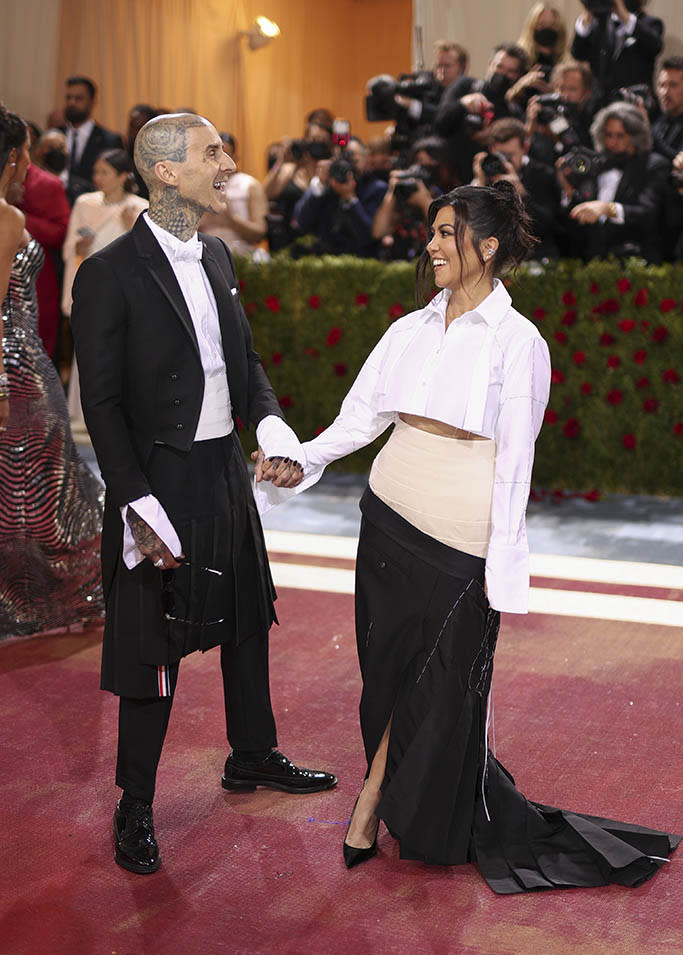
(621,48)
(535,182)
(168,368)
(620,210)
(85,139)
(667,130)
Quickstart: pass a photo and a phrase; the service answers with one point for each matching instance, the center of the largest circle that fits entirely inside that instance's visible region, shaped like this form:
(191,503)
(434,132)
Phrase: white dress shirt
(215,417)
(488,373)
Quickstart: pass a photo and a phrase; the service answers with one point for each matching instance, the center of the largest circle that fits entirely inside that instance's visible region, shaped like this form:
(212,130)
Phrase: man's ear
(165,173)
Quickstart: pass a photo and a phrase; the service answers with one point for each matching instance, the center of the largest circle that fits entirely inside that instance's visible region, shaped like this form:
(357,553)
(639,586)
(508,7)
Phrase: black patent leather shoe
(135,847)
(274,772)
(354,856)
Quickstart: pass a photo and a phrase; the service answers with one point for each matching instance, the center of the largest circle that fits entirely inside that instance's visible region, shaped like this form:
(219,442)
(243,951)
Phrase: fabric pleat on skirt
(426,639)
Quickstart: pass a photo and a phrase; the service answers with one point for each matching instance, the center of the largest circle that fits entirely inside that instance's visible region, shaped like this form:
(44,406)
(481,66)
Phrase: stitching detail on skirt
(488,648)
(443,627)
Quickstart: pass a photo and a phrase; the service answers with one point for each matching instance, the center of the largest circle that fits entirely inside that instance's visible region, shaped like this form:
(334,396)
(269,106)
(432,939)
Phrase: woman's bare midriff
(439,427)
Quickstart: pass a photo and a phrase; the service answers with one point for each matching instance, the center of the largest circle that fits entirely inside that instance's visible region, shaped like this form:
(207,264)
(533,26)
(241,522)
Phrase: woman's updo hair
(13,133)
(495,210)
(120,160)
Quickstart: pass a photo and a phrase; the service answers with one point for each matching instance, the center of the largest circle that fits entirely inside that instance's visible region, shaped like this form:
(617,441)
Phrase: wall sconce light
(261,33)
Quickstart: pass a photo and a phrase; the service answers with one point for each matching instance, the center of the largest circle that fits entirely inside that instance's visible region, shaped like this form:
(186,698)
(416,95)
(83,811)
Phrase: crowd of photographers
(589,130)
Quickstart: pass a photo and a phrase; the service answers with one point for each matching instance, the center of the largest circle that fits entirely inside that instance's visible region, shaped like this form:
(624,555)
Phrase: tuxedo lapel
(228,317)
(162,274)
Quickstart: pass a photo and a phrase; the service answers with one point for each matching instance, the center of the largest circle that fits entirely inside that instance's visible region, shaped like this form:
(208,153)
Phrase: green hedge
(615,333)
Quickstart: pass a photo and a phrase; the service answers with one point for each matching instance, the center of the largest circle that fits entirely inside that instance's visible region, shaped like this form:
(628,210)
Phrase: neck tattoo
(174,213)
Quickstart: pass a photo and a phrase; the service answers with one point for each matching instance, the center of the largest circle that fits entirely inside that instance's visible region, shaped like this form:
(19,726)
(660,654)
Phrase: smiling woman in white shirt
(442,550)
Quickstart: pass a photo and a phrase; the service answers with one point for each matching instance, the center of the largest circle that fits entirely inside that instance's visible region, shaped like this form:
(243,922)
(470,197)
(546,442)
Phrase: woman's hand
(282,472)
(534,79)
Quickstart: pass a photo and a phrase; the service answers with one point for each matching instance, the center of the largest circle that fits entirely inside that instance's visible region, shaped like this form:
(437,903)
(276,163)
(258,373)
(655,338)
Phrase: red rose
(607,339)
(311,352)
(561,338)
(623,286)
(340,370)
(627,324)
(594,288)
(660,334)
(242,285)
(276,357)
(362,298)
(251,309)
(643,383)
(273,303)
(642,297)
(395,311)
(586,388)
(550,416)
(671,376)
(613,361)
(629,441)
(539,314)
(579,357)
(557,377)
(639,356)
(678,427)
(569,298)
(572,428)
(614,397)
(667,304)
(592,495)
(609,306)
(650,404)
(569,318)
(333,336)
(314,301)
(285,401)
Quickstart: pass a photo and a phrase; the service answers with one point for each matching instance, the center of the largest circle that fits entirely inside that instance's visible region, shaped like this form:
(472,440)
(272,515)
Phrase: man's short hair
(434,146)
(516,52)
(573,66)
(504,129)
(144,109)
(83,81)
(672,63)
(446,46)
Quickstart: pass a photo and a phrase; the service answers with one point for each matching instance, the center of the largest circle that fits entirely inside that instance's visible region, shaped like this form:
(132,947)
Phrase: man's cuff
(151,511)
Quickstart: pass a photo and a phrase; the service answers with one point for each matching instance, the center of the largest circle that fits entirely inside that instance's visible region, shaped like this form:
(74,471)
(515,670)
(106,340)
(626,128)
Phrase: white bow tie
(190,251)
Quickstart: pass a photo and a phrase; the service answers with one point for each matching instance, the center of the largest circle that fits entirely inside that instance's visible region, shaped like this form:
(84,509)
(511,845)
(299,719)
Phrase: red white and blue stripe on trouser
(163,681)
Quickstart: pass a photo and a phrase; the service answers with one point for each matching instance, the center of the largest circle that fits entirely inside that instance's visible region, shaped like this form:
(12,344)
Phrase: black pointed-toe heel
(354,856)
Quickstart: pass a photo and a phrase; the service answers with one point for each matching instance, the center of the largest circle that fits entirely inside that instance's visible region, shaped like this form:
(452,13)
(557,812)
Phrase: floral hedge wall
(615,417)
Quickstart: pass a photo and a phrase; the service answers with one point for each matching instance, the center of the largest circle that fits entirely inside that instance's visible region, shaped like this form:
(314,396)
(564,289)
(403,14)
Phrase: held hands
(150,544)
(283,472)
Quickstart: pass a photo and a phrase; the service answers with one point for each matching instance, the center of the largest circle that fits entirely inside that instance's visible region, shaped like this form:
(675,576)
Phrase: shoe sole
(238,785)
(136,867)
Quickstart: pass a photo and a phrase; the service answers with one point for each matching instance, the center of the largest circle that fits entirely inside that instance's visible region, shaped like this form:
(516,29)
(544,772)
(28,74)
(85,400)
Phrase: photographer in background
(561,119)
(400,224)
(619,42)
(340,204)
(615,202)
(544,39)
(667,131)
(469,105)
(672,239)
(536,183)
(450,63)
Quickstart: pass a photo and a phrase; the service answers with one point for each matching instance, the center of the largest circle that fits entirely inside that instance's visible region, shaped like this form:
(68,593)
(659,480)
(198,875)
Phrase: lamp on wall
(261,33)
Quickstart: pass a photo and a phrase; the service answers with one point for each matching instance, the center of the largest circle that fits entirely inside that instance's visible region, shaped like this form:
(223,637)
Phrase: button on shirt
(488,373)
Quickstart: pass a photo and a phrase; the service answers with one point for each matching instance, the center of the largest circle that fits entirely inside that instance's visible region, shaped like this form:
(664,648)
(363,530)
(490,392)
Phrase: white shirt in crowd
(215,417)
(488,373)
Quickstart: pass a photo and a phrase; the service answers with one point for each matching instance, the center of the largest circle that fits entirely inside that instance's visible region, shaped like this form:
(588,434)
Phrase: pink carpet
(588,717)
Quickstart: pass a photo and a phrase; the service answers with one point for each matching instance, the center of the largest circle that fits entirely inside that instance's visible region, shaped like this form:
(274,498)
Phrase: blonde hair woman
(544,39)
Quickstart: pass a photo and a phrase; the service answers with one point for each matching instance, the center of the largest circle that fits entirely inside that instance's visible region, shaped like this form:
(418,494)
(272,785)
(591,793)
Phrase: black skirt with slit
(426,638)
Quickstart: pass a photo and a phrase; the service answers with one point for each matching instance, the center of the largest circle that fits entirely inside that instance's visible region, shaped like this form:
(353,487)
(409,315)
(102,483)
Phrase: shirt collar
(83,131)
(492,310)
(175,248)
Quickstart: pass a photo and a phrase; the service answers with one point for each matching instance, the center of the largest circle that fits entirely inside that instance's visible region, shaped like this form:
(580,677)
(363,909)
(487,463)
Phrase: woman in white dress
(97,219)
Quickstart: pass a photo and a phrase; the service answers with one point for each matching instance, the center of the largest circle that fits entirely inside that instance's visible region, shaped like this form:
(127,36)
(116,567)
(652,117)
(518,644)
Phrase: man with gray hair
(618,208)
(168,369)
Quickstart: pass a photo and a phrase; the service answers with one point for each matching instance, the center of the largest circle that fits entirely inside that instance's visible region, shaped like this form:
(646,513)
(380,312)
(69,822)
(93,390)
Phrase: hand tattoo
(147,541)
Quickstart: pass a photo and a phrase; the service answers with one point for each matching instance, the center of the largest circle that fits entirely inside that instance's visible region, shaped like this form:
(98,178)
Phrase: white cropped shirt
(488,373)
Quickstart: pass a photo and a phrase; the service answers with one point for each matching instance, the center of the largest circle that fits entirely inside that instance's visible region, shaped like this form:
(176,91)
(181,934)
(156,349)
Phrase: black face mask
(546,37)
(55,160)
(75,116)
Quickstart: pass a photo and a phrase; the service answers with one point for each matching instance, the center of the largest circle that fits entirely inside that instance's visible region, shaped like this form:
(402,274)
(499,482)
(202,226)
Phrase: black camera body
(409,179)
(635,95)
(340,168)
(316,150)
(581,166)
(380,104)
(599,8)
(493,164)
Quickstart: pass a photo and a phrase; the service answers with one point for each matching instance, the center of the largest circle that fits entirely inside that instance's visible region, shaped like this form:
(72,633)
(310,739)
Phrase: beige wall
(29,31)
(479,24)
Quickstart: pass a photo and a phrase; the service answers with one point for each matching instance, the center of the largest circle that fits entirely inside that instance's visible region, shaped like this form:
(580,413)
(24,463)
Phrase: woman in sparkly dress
(50,503)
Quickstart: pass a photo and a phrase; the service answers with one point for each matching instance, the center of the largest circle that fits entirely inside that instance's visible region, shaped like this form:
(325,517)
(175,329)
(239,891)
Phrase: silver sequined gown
(50,503)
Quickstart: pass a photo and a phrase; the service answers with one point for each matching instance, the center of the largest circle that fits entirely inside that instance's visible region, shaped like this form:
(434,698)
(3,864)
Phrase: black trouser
(248,716)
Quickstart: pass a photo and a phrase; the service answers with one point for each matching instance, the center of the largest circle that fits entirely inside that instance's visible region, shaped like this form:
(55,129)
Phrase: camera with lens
(553,106)
(409,178)
(494,164)
(340,168)
(599,8)
(316,150)
(581,166)
(494,89)
(635,95)
(381,105)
